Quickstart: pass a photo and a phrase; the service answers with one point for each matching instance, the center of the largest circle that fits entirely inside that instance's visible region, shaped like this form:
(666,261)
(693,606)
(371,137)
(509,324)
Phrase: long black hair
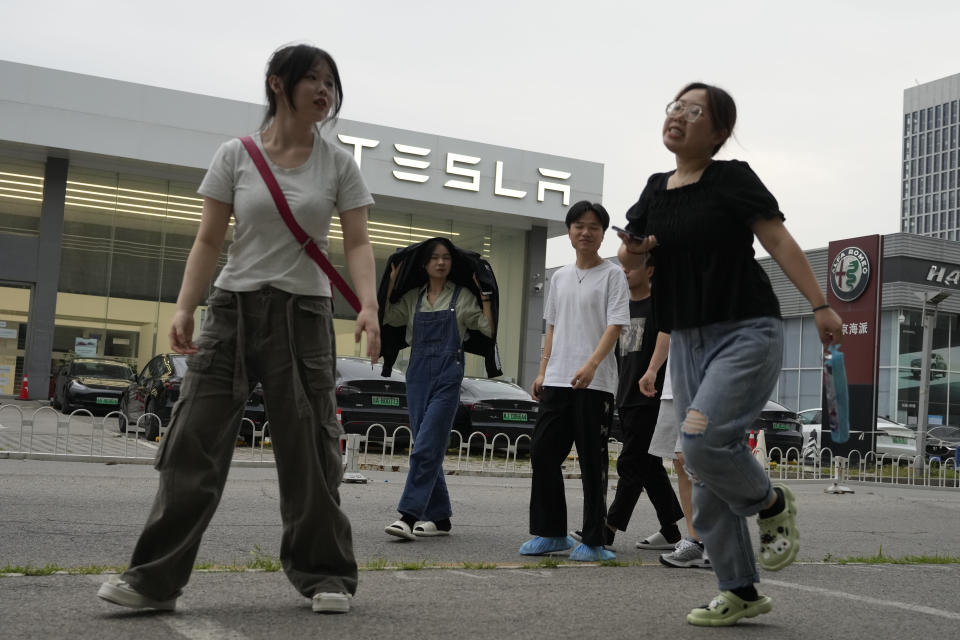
(290,64)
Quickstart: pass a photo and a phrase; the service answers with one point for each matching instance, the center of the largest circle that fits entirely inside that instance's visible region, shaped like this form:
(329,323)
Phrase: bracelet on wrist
(823,306)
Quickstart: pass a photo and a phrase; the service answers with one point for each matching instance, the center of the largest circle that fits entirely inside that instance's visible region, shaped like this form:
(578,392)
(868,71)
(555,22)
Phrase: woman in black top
(726,337)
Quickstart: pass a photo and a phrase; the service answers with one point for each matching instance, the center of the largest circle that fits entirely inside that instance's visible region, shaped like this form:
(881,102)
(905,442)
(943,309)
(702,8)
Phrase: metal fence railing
(45,433)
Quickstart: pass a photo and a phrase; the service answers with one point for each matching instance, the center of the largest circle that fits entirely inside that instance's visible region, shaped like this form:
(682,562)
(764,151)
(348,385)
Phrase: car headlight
(76,386)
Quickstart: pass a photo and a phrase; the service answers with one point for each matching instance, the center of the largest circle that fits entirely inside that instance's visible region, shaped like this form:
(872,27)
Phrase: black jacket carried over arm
(413,276)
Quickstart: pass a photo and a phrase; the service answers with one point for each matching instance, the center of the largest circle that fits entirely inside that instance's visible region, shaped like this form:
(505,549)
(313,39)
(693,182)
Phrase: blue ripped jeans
(725,371)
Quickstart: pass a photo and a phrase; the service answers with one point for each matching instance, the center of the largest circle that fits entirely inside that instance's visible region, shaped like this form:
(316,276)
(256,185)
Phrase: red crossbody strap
(303,238)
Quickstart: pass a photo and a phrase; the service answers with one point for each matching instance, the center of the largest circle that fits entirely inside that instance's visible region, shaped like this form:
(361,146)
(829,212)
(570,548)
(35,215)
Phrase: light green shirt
(469,313)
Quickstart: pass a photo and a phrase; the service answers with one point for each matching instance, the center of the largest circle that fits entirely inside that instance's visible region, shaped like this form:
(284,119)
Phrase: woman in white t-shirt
(269,320)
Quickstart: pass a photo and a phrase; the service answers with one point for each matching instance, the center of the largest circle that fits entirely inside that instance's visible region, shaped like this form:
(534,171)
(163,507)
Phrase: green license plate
(782,426)
(385,401)
(107,401)
(899,440)
(514,417)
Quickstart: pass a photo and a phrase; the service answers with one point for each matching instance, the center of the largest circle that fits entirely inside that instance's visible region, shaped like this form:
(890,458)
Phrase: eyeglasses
(690,112)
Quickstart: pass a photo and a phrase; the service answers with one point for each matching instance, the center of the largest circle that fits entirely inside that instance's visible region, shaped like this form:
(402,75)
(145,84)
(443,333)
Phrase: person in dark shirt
(642,350)
(726,337)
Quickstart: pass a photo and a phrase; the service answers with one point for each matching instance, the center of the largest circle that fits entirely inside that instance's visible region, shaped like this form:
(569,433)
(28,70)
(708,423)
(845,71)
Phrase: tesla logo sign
(411,161)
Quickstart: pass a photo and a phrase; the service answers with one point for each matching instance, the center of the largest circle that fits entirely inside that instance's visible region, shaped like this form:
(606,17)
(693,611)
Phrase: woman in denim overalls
(437,316)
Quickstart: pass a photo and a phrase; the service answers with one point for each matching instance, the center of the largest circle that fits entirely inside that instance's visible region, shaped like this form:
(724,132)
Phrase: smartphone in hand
(630,234)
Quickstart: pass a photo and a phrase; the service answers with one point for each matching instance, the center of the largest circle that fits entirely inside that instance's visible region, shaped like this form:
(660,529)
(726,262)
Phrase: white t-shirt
(264,251)
(667,393)
(580,306)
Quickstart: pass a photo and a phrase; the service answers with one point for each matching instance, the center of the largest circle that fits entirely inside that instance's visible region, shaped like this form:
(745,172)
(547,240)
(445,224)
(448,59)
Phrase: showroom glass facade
(898,382)
(126,238)
(21,196)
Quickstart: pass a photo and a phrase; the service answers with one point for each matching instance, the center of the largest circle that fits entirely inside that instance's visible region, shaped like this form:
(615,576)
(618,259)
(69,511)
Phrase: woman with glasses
(437,316)
(726,338)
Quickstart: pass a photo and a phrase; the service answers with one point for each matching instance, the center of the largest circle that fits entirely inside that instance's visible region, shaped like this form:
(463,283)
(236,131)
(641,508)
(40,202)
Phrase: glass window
(788,389)
(923,145)
(811,352)
(889,324)
(906,124)
(810,389)
(791,342)
(937,120)
(21,196)
(886,407)
(953,111)
(936,141)
(923,120)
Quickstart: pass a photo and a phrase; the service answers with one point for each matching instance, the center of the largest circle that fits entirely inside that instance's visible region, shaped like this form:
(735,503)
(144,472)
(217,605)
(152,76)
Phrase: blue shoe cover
(537,546)
(583,553)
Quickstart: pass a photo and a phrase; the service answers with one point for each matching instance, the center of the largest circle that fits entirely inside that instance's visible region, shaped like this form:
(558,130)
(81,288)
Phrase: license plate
(899,440)
(782,426)
(107,401)
(385,401)
(514,417)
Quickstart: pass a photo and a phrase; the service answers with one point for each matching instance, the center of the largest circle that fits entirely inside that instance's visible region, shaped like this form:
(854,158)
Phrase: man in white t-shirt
(587,308)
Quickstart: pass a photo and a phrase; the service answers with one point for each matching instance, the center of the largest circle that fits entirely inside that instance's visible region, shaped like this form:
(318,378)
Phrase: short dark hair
(290,64)
(576,211)
(720,107)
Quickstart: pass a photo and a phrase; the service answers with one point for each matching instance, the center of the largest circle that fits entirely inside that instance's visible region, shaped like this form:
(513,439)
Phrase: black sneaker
(609,535)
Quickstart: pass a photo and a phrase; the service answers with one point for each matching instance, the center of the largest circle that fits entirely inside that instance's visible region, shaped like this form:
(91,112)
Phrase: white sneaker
(331,602)
(687,554)
(119,592)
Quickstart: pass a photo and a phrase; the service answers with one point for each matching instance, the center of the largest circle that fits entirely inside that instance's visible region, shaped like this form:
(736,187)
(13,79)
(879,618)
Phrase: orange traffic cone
(24,389)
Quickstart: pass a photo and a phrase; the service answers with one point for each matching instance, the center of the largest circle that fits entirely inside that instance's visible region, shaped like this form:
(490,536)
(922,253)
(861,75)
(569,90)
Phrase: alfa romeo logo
(850,274)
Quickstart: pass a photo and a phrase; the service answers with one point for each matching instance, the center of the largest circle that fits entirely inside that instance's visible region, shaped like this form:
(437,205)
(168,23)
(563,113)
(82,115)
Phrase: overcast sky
(819,85)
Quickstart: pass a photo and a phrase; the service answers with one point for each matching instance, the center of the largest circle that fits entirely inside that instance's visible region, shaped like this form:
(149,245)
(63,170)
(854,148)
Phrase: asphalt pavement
(75,515)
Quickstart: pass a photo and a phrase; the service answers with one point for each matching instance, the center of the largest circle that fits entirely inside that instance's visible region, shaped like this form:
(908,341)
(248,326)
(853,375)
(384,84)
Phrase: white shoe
(119,592)
(428,529)
(400,529)
(331,602)
(656,541)
(687,554)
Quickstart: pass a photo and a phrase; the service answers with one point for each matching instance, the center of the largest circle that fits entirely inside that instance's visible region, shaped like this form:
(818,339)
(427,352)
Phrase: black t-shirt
(706,272)
(634,352)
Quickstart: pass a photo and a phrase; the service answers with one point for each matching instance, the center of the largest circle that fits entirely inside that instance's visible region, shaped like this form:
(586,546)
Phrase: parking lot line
(906,606)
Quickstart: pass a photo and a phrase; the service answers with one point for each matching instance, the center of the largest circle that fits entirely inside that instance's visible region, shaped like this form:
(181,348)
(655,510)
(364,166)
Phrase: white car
(893,439)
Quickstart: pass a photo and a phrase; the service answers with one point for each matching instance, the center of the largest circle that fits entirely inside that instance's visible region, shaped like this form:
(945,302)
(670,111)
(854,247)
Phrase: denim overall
(433,395)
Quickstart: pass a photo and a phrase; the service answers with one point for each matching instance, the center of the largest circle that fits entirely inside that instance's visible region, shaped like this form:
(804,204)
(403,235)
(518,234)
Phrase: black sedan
(495,406)
(157,389)
(366,398)
(91,383)
(781,429)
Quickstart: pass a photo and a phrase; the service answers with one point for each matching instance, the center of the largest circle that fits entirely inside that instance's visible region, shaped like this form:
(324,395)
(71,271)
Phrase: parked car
(91,383)
(892,439)
(938,367)
(781,428)
(365,398)
(157,389)
(495,406)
